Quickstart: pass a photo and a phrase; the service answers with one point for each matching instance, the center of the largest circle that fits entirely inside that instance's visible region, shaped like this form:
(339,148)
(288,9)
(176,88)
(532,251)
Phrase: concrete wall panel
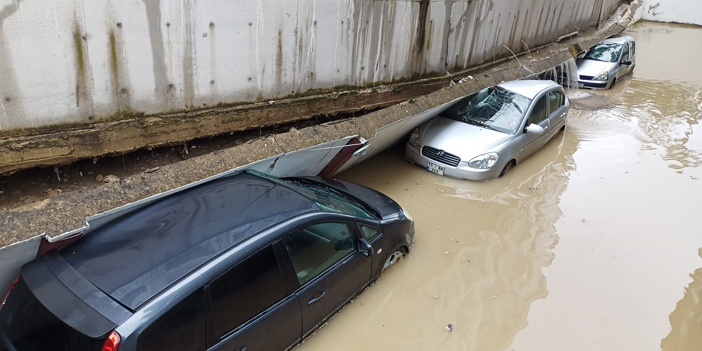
(73,61)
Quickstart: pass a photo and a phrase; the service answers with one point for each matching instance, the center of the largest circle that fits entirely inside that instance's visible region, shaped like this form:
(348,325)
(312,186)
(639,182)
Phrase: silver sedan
(484,135)
(606,63)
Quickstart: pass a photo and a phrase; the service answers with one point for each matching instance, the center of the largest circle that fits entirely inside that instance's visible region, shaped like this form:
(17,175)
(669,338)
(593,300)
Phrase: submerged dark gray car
(248,262)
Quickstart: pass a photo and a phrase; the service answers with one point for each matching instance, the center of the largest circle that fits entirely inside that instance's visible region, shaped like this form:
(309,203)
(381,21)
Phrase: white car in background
(606,63)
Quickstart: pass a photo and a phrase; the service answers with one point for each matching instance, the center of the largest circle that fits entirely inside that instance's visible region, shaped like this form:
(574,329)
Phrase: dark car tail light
(112,342)
(4,298)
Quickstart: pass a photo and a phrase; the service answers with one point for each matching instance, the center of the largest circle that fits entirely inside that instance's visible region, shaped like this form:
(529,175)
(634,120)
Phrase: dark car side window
(369,232)
(555,101)
(538,113)
(182,328)
(246,290)
(318,247)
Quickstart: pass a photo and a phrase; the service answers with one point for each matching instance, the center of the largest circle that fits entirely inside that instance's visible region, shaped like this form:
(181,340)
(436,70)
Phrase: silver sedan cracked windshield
(484,135)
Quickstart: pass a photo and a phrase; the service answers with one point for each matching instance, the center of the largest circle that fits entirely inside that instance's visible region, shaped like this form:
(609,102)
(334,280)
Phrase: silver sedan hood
(592,67)
(461,139)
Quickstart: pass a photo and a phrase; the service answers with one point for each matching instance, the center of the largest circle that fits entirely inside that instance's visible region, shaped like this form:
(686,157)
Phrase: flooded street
(594,243)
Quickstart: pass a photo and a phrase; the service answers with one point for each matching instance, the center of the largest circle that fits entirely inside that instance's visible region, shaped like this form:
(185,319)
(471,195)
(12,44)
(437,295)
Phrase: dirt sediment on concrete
(67,212)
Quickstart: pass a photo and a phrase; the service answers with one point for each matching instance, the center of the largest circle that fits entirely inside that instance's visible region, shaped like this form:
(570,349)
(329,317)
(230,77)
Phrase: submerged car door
(623,69)
(247,303)
(557,111)
(539,116)
(326,266)
(632,55)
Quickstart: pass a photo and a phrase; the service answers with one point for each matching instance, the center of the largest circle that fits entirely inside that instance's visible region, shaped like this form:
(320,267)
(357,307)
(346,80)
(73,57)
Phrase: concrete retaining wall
(302,152)
(679,11)
(83,61)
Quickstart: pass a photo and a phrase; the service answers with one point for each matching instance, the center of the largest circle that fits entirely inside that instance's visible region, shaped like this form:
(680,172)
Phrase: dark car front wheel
(396,256)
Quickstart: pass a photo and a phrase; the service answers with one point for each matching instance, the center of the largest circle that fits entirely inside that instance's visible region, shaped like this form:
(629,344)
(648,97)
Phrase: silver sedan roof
(528,88)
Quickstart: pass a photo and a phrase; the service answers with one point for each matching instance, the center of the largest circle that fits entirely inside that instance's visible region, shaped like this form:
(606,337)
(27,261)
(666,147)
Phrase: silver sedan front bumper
(462,171)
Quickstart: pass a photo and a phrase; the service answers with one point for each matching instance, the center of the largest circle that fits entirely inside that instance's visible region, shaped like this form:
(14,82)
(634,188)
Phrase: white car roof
(528,88)
(620,40)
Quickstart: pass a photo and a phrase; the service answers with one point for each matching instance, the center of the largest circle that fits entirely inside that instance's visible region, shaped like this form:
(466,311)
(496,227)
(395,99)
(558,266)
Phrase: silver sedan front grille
(441,156)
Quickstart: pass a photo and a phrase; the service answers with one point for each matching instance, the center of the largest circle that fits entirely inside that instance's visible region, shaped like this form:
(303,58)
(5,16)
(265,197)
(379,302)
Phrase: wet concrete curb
(67,212)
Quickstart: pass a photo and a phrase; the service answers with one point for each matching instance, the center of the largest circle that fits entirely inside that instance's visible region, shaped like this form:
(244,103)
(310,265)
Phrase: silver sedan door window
(538,116)
(539,113)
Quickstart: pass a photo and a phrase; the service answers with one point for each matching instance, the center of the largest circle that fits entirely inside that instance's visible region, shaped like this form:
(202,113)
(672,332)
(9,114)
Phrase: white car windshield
(492,108)
(604,52)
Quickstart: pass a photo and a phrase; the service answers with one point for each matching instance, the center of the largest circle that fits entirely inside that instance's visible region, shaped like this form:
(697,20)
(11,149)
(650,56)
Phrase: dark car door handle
(241,349)
(317,297)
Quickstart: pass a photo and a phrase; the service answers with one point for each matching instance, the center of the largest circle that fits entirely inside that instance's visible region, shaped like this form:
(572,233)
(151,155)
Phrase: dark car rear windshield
(28,326)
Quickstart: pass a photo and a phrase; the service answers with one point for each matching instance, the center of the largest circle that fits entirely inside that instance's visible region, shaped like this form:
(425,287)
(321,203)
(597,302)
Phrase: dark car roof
(137,256)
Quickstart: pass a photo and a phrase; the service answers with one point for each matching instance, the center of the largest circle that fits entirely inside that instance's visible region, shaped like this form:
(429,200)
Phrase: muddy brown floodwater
(591,244)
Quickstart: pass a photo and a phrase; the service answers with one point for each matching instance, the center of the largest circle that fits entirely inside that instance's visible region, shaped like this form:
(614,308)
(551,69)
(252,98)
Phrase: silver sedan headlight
(485,161)
(602,76)
(414,138)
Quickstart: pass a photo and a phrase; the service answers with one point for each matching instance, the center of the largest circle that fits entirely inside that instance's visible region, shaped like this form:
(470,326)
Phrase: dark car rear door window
(316,248)
(182,328)
(247,289)
(369,232)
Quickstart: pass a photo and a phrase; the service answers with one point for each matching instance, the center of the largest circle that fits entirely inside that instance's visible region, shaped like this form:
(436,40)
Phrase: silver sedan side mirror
(535,129)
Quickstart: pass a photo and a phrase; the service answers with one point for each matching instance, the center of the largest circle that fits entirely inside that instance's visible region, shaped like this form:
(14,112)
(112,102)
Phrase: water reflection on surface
(480,247)
(588,245)
(686,319)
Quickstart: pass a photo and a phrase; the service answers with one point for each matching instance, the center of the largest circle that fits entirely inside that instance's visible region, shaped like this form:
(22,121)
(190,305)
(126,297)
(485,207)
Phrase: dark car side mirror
(365,247)
(626,63)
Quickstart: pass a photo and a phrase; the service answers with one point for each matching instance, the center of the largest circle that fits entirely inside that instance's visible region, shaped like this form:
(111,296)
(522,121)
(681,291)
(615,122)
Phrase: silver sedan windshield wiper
(481,124)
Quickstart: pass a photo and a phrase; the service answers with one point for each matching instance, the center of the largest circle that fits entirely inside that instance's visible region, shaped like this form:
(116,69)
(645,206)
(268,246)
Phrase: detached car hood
(591,67)
(461,139)
(382,204)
